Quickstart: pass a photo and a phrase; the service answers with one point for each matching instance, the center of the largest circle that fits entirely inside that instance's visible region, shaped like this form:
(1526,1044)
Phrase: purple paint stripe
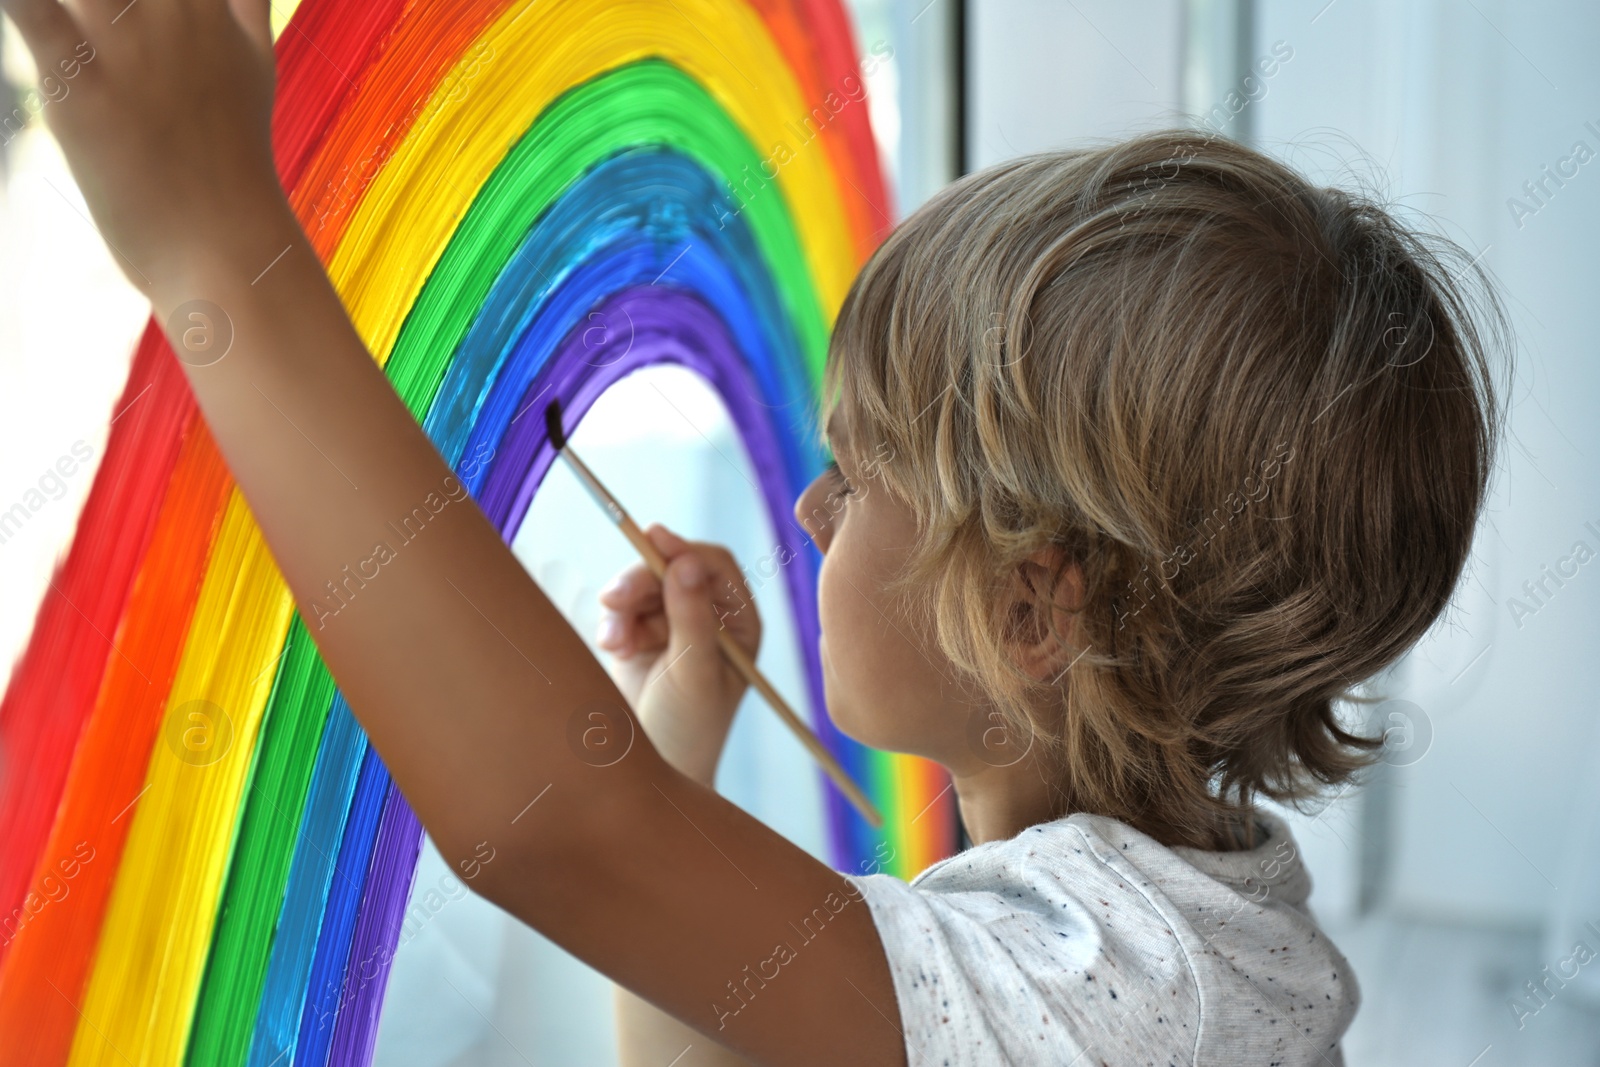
(377,933)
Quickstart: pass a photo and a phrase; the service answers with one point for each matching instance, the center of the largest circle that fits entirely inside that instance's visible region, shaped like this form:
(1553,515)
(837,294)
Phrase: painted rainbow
(202,861)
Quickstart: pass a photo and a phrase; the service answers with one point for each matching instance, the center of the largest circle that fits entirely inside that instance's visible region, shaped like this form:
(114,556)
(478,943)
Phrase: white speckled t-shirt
(1083,941)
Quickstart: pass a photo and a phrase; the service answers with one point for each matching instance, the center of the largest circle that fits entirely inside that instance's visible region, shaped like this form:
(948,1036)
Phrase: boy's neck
(1001,802)
(997,803)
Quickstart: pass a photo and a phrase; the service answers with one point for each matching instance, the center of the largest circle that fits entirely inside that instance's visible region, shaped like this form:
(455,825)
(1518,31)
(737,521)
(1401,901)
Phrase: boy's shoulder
(1097,935)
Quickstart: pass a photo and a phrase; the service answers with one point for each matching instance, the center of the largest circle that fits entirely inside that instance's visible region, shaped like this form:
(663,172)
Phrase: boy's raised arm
(472,686)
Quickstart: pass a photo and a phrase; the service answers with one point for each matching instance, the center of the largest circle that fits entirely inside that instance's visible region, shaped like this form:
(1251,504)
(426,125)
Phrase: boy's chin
(862,730)
(840,712)
(846,725)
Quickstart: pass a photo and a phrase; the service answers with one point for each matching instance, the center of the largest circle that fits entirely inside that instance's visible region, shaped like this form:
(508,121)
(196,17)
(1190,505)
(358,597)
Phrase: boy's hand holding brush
(663,637)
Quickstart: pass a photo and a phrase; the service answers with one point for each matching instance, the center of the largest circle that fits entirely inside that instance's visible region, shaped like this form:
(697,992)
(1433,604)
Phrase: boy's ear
(1046,593)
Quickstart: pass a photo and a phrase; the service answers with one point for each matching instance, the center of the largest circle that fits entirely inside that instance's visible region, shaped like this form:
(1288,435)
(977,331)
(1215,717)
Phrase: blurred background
(1463,880)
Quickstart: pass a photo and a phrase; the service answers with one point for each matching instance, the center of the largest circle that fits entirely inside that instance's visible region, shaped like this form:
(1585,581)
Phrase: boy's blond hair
(1258,414)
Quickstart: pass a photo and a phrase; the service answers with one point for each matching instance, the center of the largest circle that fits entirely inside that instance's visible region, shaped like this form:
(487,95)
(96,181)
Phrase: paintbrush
(730,648)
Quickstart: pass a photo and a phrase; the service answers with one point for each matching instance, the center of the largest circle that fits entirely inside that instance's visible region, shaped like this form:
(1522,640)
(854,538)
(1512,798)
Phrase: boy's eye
(845,488)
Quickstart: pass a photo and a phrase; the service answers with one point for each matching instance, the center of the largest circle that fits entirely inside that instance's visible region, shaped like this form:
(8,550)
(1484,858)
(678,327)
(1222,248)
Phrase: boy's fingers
(728,586)
(644,630)
(627,635)
(692,623)
(715,601)
(648,633)
(47,28)
(664,539)
(729,594)
(635,588)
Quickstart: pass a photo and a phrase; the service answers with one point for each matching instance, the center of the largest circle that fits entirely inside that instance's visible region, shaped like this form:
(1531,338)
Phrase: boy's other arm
(660,626)
(471,685)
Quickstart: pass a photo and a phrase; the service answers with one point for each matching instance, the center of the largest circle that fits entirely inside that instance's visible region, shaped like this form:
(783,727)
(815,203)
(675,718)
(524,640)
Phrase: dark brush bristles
(552,425)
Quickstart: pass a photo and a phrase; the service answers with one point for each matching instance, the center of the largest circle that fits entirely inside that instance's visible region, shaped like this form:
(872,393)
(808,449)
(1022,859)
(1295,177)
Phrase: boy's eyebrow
(833,432)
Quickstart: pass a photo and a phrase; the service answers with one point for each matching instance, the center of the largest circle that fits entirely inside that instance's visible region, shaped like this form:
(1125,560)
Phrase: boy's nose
(813,518)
